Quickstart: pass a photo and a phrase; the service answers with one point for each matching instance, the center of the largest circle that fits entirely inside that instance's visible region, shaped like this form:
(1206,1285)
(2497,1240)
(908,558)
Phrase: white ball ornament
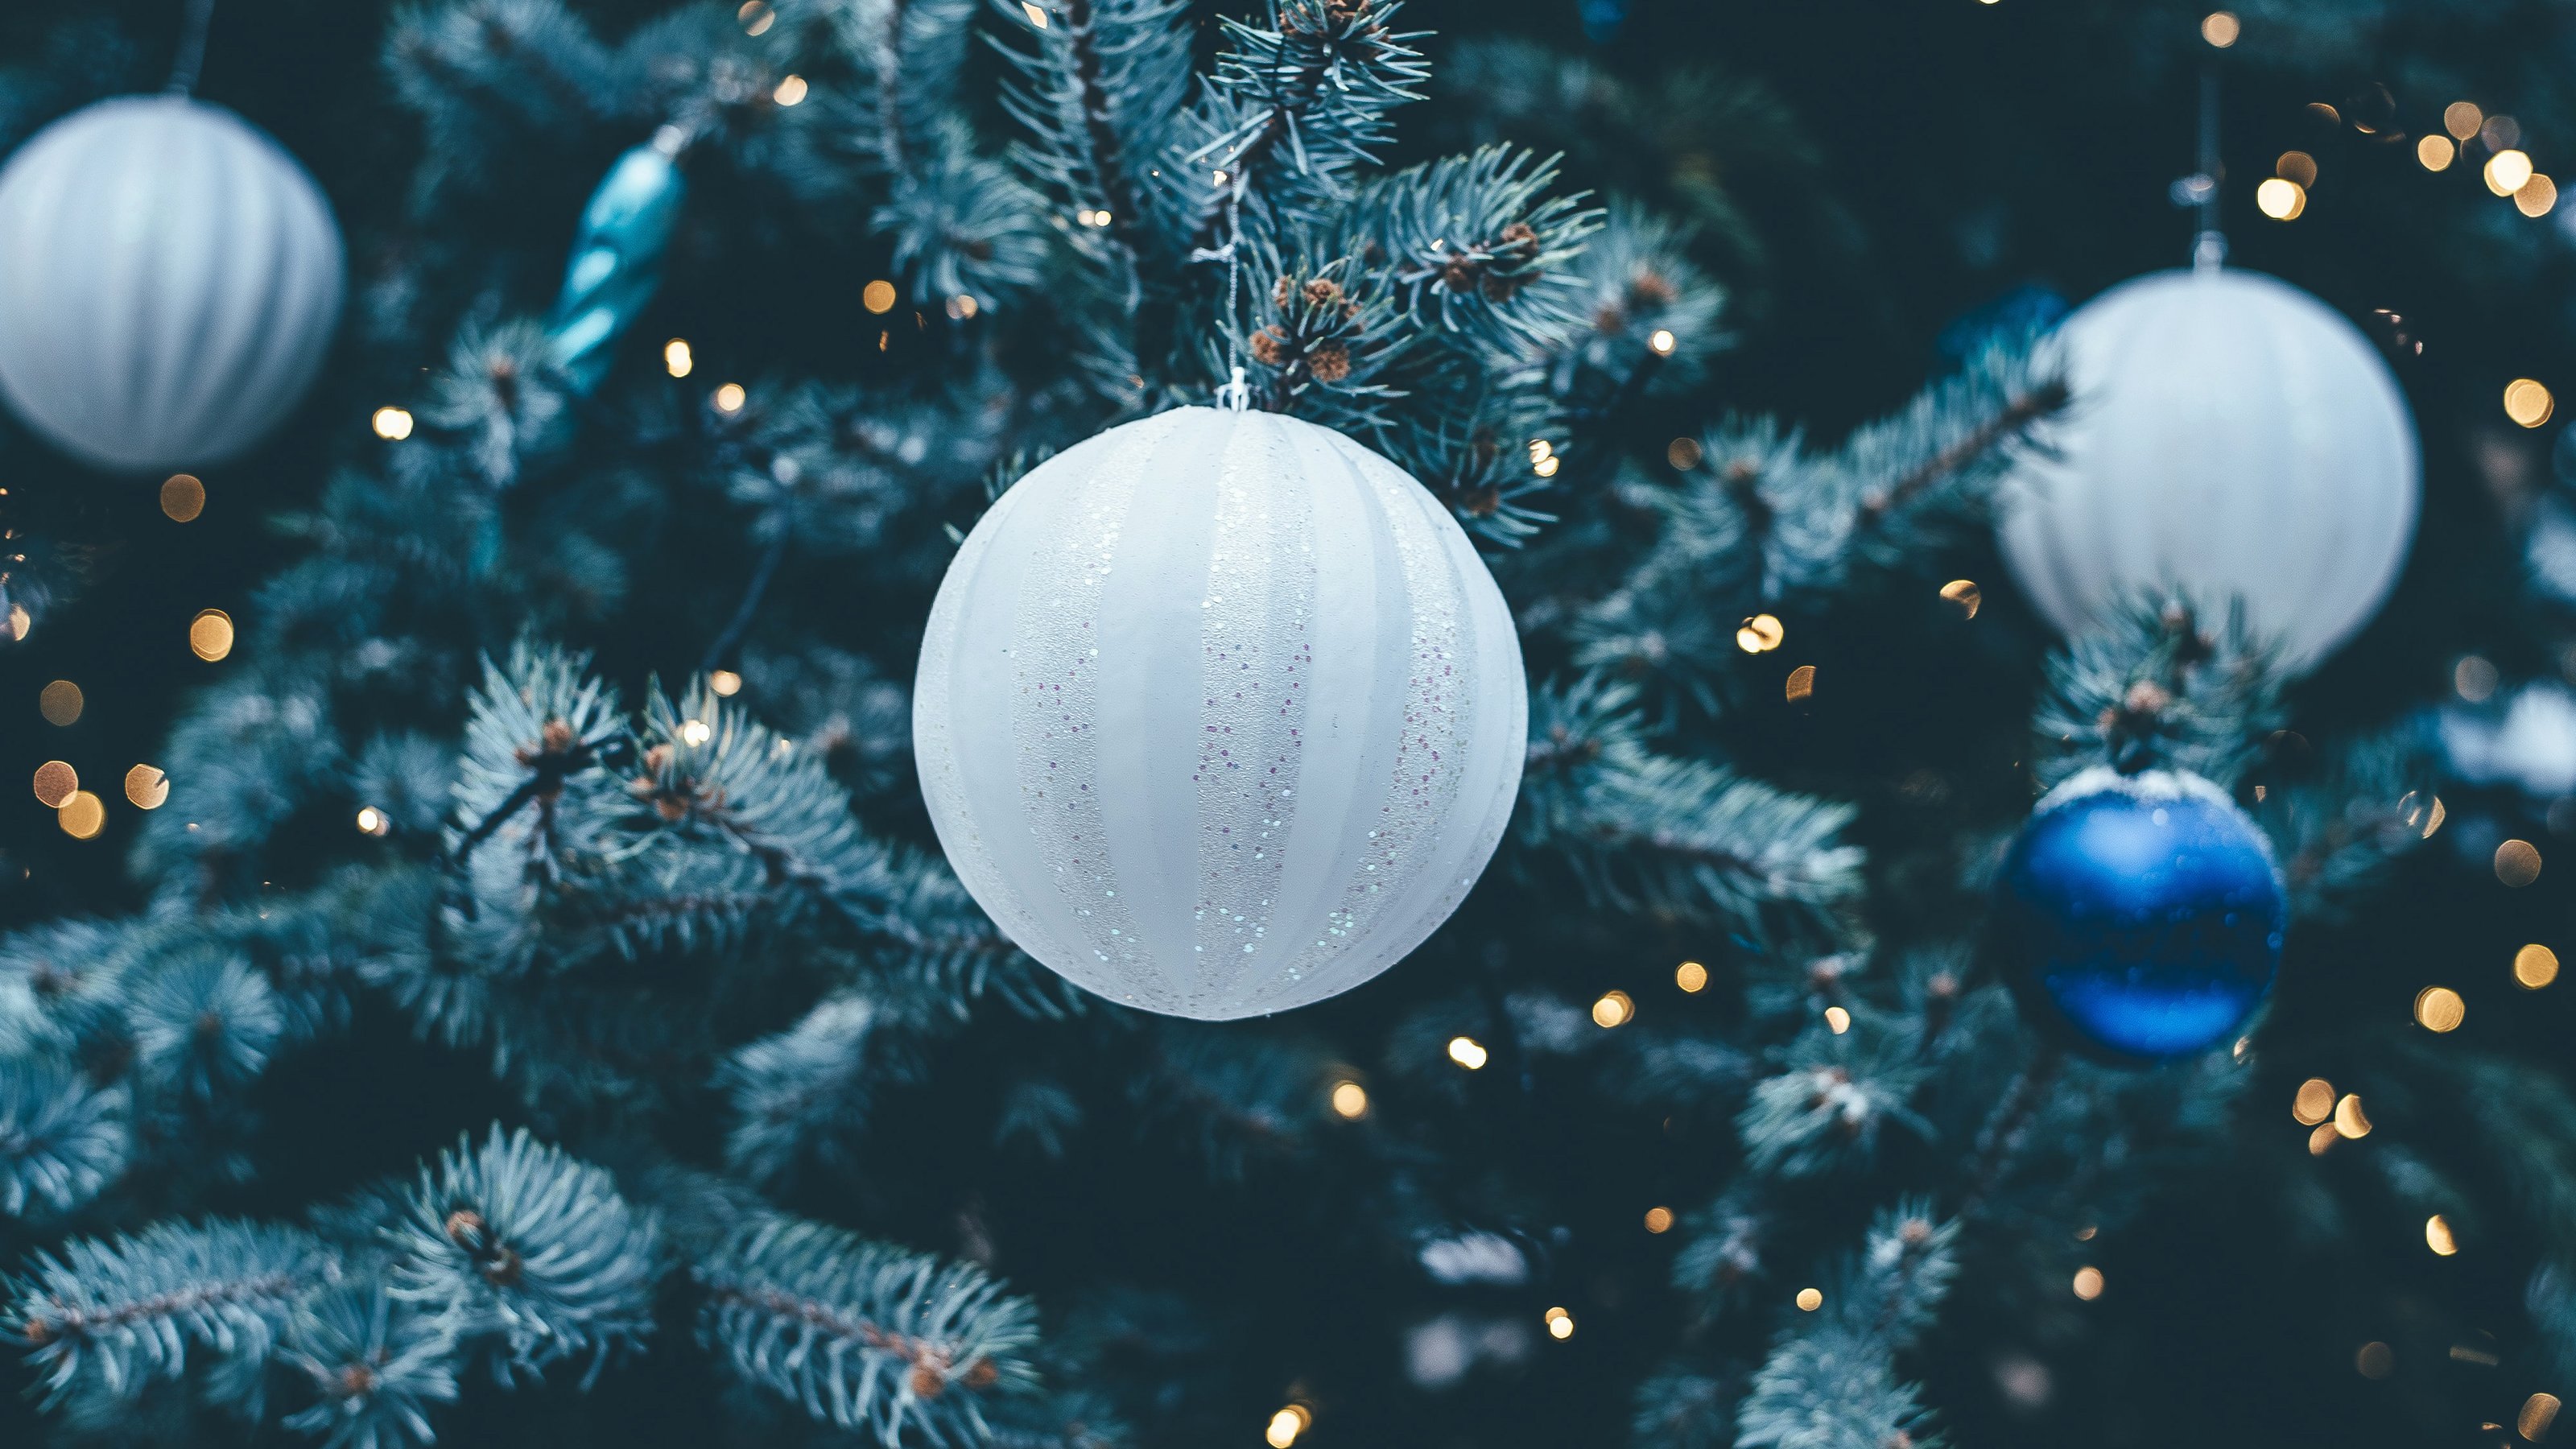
(1219,713)
(2233,436)
(169,280)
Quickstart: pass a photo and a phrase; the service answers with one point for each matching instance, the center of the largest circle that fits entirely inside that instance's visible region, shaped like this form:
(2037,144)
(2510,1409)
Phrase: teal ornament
(616,259)
(2140,916)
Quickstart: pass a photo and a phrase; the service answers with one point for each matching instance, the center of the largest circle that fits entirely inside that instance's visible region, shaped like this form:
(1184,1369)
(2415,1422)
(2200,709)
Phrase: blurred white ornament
(1219,713)
(169,280)
(2533,744)
(2231,435)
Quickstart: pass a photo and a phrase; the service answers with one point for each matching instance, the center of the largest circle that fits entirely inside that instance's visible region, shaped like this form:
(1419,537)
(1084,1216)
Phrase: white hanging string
(2209,248)
(191,56)
(1234,395)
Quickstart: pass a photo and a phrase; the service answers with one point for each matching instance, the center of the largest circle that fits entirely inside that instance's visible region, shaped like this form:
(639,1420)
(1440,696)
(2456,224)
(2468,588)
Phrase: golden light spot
(2220,28)
(2436,152)
(2535,966)
(2348,1120)
(877,296)
(677,359)
(55,782)
(2422,811)
(2536,196)
(1546,467)
(1683,453)
(1286,1425)
(372,821)
(725,683)
(1350,1101)
(696,732)
(59,702)
(146,788)
(2474,678)
(756,17)
(1760,634)
(729,398)
(2296,166)
(2462,119)
(1615,1008)
(1809,1300)
(2500,133)
(2313,1102)
(2527,402)
(2088,1283)
(83,816)
(1691,976)
(1802,683)
(961,306)
(182,497)
(1663,342)
(2374,1360)
(210,634)
(1038,18)
(2325,113)
(1659,1220)
(1965,595)
(2321,1139)
(790,91)
(2085,1233)
(2538,1413)
(1467,1052)
(2506,171)
(2517,863)
(1837,1020)
(2437,1236)
(1560,1324)
(391,424)
(2280,199)
(2439,1009)
(18,623)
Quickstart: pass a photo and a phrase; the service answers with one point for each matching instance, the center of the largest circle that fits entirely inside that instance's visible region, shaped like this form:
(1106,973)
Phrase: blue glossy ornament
(616,259)
(2140,915)
(1602,19)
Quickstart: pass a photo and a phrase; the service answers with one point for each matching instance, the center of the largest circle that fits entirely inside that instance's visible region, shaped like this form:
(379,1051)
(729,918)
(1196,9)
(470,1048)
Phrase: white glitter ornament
(169,281)
(2229,434)
(1219,713)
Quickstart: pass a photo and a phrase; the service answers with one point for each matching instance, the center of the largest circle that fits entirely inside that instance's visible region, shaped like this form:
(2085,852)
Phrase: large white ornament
(2229,434)
(169,279)
(1219,713)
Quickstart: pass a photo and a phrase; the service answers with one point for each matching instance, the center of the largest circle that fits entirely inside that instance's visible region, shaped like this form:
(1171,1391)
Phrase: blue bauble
(2140,915)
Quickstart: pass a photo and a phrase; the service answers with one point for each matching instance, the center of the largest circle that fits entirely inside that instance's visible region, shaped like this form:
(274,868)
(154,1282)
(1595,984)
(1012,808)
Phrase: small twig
(772,553)
(2018,414)
(2001,1140)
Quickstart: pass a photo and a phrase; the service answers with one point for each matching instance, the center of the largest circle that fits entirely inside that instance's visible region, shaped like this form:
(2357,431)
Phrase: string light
(2313,1102)
(210,634)
(372,821)
(725,683)
(2462,119)
(1760,634)
(2440,1009)
(146,788)
(55,782)
(2436,153)
(2517,863)
(2281,199)
(1809,1300)
(1560,1324)
(756,17)
(1683,453)
(1802,683)
(1659,1220)
(1037,16)
(2437,1236)
(677,359)
(961,306)
(877,296)
(1662,342)
(2297,166)
(1837,1020)
(1350,1101)
(2528,402)
(729,398)
(2538,1413)
(391,424)
(1286,1425)
(1467,1052)
(1691,976)
(790,91)
(2220,28)
(182,497)
(18,624)
(696,732)
(2088,1283)
(59,702)
(2321,1139)
(2536,196)
(2348,1119)
(1613,1009)
(2506,171)
(2535,966)
(1965,596)
(2374,1360)
(83,816)
(2474,678)
(2421,811)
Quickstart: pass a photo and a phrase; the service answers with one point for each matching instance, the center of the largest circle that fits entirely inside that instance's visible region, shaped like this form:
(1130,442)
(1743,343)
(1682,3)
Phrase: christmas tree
(517,995)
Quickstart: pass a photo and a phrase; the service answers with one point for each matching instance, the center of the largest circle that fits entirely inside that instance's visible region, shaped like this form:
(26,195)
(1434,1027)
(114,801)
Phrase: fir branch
(61,1140)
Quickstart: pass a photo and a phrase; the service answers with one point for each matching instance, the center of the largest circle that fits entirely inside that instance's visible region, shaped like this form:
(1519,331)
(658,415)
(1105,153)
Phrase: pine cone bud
(1270,347)
(1329,362)
(927,1382)
(465,1229)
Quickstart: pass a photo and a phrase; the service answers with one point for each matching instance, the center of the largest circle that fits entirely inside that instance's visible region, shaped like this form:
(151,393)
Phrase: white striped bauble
(169,280)
(1219,713)
(2230,435)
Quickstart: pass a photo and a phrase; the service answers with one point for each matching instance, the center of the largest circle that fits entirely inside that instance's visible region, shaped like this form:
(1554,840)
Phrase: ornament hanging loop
(191,55)
(1234,395)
